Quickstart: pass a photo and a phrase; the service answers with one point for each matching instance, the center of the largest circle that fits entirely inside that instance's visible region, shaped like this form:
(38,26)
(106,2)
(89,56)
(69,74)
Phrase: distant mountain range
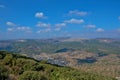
(57,45)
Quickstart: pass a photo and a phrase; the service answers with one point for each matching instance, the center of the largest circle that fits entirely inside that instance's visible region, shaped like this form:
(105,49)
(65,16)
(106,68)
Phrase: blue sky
(27,19)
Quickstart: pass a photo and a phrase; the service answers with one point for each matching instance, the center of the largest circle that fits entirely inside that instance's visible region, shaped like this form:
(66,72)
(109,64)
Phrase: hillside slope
(17,67)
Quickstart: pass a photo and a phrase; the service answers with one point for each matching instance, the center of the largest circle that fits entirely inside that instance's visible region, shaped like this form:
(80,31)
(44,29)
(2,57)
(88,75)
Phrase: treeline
(17,67)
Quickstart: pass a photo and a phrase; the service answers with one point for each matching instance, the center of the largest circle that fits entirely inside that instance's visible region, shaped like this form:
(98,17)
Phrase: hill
(50,46)
(17,67)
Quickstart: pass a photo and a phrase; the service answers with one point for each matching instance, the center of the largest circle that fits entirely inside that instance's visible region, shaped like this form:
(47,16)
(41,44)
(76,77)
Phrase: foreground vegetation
(17,67)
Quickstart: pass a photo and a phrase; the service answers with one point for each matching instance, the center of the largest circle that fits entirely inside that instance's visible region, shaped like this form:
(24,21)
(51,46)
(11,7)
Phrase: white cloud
(2,6)
(40,24)
(60,25)
(10,29)
(90,26)
(100,30)
(10,24)
(75,21)
(57,29)
(44,31)
(16,27)
(119,17)
(23,28)
(40,15)
(78,13)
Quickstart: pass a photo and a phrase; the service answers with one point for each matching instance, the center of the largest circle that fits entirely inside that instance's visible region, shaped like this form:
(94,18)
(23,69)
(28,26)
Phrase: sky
(36,19)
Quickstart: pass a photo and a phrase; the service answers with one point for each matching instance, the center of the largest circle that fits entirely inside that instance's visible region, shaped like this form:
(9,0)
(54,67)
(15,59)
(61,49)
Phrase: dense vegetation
(17,67)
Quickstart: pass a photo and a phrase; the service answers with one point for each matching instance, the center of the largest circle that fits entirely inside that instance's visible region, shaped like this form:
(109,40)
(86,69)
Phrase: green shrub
(4,72)
(32,75)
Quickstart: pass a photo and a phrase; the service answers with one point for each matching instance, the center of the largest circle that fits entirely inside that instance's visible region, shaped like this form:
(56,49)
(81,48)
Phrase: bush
(4,73)
(8,59)
(32,75)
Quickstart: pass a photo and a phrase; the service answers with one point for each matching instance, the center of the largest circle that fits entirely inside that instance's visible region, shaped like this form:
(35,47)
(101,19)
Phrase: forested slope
(17,67)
